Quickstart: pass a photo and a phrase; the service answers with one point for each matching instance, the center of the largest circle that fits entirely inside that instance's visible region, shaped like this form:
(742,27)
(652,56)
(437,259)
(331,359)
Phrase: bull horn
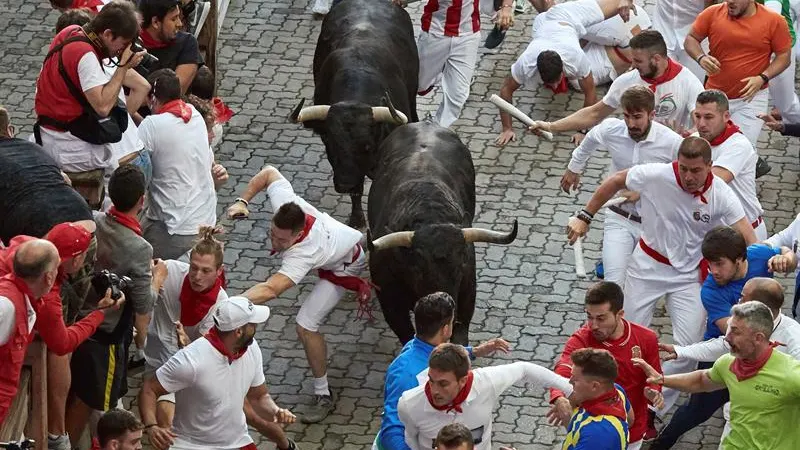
(392,240)
(387,102)
(472,235)
(384,114)
(316,112)
(296,111)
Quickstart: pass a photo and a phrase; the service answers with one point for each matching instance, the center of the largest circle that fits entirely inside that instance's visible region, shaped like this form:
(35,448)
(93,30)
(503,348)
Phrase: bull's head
(351,132)
(440,253)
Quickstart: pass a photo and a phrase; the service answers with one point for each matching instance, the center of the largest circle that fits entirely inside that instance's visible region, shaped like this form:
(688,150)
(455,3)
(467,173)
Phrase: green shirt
(765,409)
(786,12)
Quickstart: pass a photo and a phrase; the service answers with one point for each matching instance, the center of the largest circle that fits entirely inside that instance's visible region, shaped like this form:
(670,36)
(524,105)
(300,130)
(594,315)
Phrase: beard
(245,341)
(651,71)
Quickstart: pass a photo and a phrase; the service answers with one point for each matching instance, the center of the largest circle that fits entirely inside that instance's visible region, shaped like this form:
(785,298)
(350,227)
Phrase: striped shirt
(451,17)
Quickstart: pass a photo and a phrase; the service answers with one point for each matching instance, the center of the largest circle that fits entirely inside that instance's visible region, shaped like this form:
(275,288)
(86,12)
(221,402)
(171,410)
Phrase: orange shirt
(743,46)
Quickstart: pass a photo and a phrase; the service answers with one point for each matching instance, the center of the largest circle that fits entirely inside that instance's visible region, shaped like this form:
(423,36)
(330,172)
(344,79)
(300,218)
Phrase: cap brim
(260,314)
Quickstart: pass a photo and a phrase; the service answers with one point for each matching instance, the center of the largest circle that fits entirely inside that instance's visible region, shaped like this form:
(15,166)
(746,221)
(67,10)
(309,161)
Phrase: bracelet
(585,216)
(699,58)
(150,426)
(240,199)
(764,77)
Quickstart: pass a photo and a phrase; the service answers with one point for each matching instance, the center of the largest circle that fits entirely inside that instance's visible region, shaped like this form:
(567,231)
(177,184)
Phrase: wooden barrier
(28,412)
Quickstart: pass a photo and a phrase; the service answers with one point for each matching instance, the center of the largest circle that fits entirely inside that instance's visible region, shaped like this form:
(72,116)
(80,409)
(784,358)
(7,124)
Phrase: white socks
(321,386)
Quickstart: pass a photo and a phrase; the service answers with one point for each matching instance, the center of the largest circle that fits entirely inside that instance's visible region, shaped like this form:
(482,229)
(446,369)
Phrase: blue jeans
(144,162)
(700,407)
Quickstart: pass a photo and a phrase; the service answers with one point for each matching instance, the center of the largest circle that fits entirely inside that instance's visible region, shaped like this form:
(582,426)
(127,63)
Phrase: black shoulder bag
(89,126)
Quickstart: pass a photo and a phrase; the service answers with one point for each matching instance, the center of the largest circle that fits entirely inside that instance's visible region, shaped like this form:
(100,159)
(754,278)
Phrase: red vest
(52,95)
(12,353)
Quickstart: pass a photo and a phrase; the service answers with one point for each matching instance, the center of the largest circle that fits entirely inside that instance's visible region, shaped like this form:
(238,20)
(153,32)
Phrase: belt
(757,222)
(626,214)
(127,159)
(703,266)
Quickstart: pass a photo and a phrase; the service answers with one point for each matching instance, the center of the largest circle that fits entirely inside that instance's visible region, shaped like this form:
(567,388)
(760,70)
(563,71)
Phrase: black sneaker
(292,445)
(762,167)
(494,38)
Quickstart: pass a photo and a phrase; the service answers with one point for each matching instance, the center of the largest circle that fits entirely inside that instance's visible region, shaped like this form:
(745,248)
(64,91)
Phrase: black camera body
(149,61)
(104,280)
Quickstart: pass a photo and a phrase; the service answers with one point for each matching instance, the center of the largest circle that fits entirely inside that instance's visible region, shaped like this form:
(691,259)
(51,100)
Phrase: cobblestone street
(527,291)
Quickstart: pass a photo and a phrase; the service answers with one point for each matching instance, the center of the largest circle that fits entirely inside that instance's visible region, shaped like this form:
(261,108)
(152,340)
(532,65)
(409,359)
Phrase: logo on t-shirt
(636,352)
(700,216)
(666,105)
(767,389)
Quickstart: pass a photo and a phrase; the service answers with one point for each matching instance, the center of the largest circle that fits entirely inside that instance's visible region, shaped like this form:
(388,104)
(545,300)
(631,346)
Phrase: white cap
(236,312)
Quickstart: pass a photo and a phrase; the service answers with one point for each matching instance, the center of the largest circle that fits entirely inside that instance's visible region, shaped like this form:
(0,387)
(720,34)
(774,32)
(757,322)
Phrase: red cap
(71,240)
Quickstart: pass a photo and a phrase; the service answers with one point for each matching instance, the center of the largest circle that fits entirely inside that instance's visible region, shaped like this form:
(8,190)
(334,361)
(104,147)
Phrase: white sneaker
(198,18)
(321,7)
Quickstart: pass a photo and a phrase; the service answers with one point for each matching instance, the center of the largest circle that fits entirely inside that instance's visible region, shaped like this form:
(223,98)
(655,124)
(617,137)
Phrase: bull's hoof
(357,221)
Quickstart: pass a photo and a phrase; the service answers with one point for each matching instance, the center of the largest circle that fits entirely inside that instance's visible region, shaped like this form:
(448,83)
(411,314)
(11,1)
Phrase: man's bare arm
(697,381)
(270,289)
(746,228)
(186,73)
(606,191)
(583,118)
(260,182)
(589,90)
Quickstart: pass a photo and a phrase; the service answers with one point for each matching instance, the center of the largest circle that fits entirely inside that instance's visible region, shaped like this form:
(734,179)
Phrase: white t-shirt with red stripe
(675,99)
(326,243)
(674,222)
(451,17)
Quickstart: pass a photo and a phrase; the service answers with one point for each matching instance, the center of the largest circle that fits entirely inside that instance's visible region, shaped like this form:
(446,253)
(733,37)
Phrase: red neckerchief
(126,221)
(303,234)
(730,130)
(699,193)
(91,5)
(222,113)
(608,404)
(213,337)
(455,405)
(195,305)
(178,108)
(561,87)
(748,369)
(673,69)
(150,43)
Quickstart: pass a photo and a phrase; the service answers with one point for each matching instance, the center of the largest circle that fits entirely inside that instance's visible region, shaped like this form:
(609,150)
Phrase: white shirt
(328,242)
(71,153)
(162,340)
(786,237)
(451,18)
(422,421)
(738,157)
(130,141)
(674,19)
(674,222)
(209,394)
(659,146)
(8,321)
(675,99)
(181,193)
(786,331)
(561,39)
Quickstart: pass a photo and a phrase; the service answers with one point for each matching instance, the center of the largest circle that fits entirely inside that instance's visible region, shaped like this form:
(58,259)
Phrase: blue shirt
(718,300)
(400,377)
(606,432)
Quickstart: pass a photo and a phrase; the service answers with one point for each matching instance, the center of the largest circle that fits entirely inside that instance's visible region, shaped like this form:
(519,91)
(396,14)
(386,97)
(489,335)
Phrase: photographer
(78,109)
(162,37)
(124,261)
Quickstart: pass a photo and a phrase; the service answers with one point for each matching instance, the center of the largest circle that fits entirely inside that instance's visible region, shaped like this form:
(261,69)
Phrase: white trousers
(614,32)
(620,237)
(635,445)
(726,430)
(326,295)
(646,281)
(784,95)
(745,115)
(451,59)
(761,231)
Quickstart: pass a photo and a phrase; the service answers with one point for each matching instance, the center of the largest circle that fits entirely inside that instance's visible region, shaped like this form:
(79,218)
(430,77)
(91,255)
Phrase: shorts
(166,245)
(602,70)
(580,14)
(99,373)
(614,32)
(325,295)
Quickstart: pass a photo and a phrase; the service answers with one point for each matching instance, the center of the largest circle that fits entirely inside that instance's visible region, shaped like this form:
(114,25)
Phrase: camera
(149,60)
(105,280)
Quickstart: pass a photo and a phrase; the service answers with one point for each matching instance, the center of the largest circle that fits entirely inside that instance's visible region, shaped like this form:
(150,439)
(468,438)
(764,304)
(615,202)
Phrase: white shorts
(581,14)
(614,32)
(167,398)
(602,69)
(325,295)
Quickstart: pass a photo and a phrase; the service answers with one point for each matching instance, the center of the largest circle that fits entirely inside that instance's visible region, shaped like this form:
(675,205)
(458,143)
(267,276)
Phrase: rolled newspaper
(577,247)
(519,115)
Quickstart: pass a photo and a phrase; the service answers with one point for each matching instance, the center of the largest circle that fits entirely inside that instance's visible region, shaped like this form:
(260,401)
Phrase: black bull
(421,207)
(365,85)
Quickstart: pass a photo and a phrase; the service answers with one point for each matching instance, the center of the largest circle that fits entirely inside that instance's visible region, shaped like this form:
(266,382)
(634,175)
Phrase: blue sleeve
(759,255)
(392,434)
(599,435)
(715,302)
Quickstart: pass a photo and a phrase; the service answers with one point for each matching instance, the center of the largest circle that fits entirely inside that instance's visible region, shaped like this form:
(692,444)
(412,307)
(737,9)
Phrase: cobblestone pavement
(527,291)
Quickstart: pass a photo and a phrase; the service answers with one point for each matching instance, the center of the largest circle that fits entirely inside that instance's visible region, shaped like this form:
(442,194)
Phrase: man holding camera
(168,46)
(124,261)
(77,107)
